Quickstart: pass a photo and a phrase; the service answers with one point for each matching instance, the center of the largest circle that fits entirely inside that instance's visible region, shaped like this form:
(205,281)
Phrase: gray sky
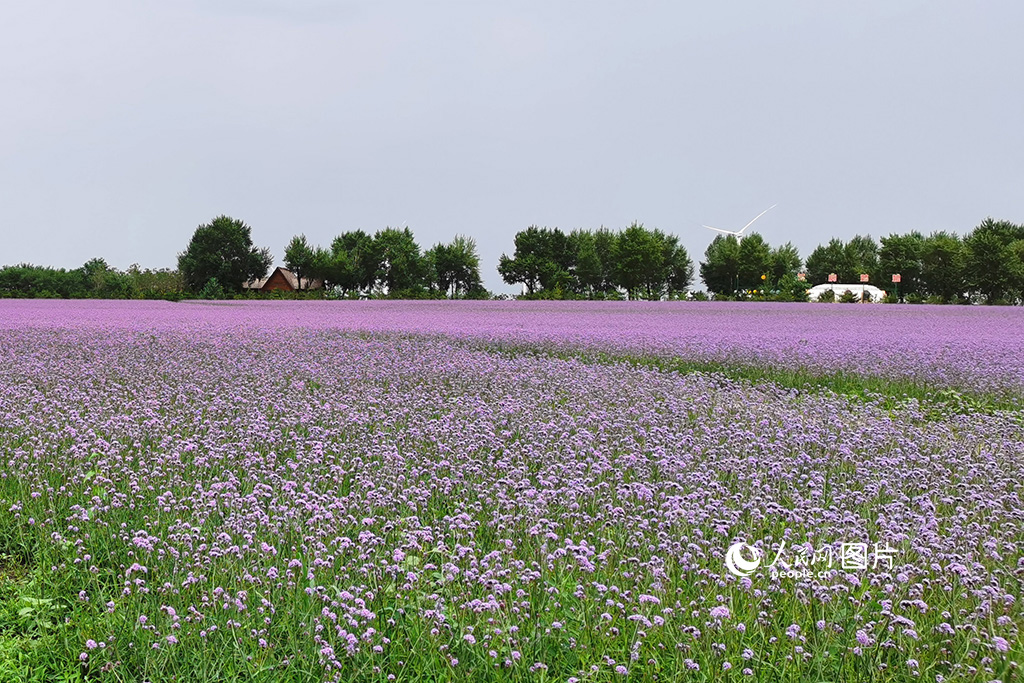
(125,124)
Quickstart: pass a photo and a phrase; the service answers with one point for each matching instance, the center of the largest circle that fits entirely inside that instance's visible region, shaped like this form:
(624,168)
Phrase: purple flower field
(964,347)
(329,491)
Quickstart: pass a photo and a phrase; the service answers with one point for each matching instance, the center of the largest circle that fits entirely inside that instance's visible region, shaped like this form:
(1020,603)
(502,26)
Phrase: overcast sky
(125,124)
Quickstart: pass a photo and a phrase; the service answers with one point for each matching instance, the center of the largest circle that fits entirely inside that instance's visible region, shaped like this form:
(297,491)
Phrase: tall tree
(356,255)
(755,261)
(588,272)
(640,266)
(827,259)
(862,258)
(223,249)
(456,267)
(300,258)
(679,266)
(785,261)
(466,280)
(401,269)
(543,259)
(993,265)
(901,254)
(943,264)
(605,246)
(720,268)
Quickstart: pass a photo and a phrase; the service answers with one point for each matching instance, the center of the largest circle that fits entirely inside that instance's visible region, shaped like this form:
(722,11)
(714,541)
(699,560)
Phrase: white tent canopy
(858,290)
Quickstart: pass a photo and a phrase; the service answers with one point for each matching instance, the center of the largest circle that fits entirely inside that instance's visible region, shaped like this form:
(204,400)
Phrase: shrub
(827,297)
(212,290)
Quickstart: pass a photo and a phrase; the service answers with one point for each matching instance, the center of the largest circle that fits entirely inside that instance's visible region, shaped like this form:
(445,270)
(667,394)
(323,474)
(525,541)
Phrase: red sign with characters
(863,277)
(896,277)
(831,277)
(801,277)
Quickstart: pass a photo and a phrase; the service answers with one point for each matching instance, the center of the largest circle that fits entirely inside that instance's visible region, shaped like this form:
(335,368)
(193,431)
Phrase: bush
(212,290)
(848,297)
(699,296)
(827,297)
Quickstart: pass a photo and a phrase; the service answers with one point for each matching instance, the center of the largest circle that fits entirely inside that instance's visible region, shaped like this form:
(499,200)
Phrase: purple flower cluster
(297,484)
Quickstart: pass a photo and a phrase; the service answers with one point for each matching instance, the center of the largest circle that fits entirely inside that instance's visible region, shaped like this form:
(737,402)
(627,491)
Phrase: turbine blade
(727,232)
(756,217)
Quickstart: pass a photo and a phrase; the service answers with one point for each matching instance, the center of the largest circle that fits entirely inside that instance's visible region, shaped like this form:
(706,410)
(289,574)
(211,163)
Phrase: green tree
(826,259)
(103,282)
(679,266)
(156,284)
(785,262)
(455,267)
(901,254)
(605,245)
(300,258)
(589,271)
(223,249)
(640,264)
(720,268)
(943,266)
(466,280)
(993,266)
(861,258)
(755,261)
(401,268)
(351,264)
(542,259)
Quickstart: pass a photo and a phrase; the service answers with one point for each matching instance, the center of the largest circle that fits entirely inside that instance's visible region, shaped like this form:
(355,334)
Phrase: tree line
(93,280)
(389,263)
(638,262)
(985,265)
(221,258)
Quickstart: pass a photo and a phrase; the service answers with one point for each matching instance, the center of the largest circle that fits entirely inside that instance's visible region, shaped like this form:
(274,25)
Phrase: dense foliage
(389,264)
(984,266)
(734,266)
(641,262)
(222,250)
(95,280)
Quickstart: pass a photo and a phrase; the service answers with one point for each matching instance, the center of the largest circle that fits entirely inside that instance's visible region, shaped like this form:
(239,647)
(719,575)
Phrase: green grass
(890,392)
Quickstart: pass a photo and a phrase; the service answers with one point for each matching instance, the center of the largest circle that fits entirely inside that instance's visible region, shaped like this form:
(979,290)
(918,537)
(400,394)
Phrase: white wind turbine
(739,233)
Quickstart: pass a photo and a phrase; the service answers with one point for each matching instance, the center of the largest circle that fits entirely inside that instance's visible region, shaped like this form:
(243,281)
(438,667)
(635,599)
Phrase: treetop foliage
(223,249)
(985,265)
(641,262)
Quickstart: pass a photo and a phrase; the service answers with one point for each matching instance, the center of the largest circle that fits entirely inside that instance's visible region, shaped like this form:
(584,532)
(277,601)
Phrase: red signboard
(801,277)
(831,277)
(863,277)
(896,277)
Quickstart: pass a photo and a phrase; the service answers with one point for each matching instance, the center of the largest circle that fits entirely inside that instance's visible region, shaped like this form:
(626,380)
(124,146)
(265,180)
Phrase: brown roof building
(282,279)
